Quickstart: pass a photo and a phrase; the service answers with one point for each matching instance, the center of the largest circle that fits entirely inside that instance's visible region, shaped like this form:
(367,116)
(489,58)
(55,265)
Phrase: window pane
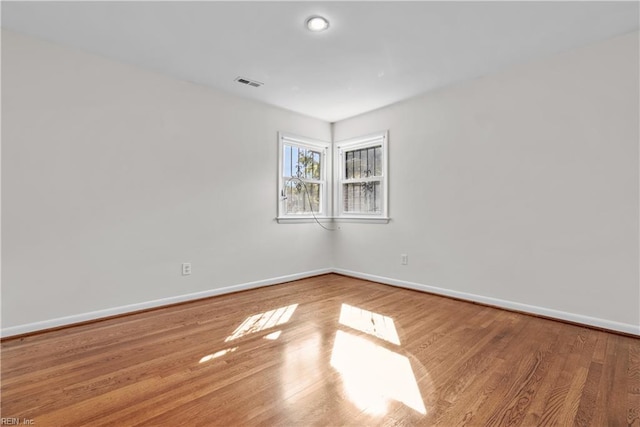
(348,165)
(294,160)
(377,161)
(300,200)
(362,197)
(304,162)
(287,164)
(301,162)
(371,170)
(363,163)
(316,165)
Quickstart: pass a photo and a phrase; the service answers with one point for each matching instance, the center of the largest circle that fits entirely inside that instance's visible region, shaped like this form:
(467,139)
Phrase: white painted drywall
(113,176)
(521,186)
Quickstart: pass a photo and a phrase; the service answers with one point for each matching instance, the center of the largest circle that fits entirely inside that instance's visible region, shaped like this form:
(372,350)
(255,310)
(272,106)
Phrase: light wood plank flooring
(325,351)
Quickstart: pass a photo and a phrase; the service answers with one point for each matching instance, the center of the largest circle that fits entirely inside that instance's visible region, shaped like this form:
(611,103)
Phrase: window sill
(326,219)
(364,219)
(302,219)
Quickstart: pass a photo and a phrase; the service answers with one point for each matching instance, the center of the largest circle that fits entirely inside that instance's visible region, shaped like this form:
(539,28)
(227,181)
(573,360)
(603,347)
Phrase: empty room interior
(320,213)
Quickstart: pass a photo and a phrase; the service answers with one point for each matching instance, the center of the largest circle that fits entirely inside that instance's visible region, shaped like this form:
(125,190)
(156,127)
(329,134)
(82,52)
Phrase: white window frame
(375,139)
(325,172)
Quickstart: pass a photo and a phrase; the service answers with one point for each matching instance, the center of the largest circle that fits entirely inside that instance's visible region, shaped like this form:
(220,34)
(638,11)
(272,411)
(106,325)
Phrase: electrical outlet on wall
(186,268)
(404,259)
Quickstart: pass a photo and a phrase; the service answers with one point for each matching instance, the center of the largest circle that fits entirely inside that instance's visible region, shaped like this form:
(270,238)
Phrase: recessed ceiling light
(317,23)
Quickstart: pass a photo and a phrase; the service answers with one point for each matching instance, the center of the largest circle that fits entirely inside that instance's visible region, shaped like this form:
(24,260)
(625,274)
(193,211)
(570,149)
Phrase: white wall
(112,176)
(521,187)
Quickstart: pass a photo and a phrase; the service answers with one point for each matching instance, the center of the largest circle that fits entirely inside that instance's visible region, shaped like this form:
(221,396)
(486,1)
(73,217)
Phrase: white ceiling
(374,53)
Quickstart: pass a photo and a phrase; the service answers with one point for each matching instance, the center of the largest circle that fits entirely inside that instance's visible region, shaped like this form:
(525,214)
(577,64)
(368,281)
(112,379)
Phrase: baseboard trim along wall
(500,303)
(495,302)
(131,308)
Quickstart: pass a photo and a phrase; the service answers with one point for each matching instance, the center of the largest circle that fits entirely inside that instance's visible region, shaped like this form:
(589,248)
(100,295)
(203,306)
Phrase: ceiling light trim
(317,23)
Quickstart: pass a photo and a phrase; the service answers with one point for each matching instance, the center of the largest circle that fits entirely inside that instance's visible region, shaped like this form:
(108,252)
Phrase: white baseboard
(509,305)
(130,308)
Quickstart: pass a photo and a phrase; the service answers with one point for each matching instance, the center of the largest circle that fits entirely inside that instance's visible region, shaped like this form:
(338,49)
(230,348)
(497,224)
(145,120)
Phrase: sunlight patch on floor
(273,335)
(369,322)
(261,321)
(217,354)
(303,368)
(373,375)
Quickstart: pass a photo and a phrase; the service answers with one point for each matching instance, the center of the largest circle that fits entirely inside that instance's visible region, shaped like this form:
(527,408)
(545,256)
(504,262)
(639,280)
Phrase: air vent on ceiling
(248,82)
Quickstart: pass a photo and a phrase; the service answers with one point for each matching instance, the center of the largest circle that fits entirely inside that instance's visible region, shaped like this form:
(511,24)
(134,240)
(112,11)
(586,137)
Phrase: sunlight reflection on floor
(256,323)
(303,367)
(369,322)
(373,375)
(261,321)
(273,335)
(217,354)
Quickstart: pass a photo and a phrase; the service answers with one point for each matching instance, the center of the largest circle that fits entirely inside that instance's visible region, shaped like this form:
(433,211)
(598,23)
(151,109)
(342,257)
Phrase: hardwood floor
(328,350)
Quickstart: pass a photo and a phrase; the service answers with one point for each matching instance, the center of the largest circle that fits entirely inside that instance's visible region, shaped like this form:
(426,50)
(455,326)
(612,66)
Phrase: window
(361,177)
(302,177)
